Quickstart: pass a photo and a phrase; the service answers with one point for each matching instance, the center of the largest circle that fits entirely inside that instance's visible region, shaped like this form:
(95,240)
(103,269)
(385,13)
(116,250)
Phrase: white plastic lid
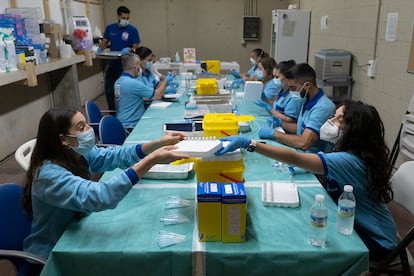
(348,188)
(319,197)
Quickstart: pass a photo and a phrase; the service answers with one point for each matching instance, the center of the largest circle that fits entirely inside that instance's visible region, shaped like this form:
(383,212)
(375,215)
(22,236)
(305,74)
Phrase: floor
(11,172)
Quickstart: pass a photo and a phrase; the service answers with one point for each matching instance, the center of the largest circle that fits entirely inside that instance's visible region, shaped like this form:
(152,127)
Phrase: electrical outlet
(372,67)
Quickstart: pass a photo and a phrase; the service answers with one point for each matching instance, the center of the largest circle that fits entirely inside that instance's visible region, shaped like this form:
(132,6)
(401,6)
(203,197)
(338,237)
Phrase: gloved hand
(125,50)
(99,50)
(235,74)
(264,104)
(174,84)
(169,78)
(235,143)
(266,133)
(236,83)
(170,90)
(273,122)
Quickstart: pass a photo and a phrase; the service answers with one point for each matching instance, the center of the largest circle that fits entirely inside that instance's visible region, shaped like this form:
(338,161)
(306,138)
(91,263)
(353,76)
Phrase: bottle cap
(319,197)
(348,188)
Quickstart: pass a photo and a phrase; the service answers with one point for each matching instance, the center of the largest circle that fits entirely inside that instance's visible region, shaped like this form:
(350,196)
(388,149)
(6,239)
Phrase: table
(185,67)
(122,241)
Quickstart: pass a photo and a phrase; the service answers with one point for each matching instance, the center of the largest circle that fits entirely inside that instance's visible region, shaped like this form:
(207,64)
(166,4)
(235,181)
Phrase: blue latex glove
(174,84)
(266,133)
(273,122)
(235,74)
(169,78)
(170,90)
(99,50)
(236,83)
(264,104)
(236,142)
(125,50)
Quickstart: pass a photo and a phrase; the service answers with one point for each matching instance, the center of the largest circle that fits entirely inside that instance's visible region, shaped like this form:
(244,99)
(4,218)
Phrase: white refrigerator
(290,35)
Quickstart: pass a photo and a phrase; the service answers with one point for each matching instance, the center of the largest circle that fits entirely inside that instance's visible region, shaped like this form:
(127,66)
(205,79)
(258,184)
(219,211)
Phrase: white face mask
(252,61)
(123,22)
(330,132)
(86,141)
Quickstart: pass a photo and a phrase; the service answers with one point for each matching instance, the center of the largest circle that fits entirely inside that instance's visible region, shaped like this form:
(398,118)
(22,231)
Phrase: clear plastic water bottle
(346,211)
(117,92)
(318,221)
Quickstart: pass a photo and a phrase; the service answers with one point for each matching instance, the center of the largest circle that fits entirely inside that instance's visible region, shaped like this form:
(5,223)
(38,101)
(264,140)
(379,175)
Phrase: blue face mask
(148,65)
(259,74)
(278,84)
(86,141)
(123,22)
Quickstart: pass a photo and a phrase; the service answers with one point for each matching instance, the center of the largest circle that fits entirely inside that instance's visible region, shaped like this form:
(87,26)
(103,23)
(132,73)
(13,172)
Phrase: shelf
(52,65)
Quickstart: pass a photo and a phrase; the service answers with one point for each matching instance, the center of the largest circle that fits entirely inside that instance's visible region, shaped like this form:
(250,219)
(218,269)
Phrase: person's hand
(170,90)
(172,138)
(125,50)
(165,155)
(99,51)
(235,73)
(236,83)
(264,104)
(274,122)
(266,133)
(169,78)
(174,84)
(236,142)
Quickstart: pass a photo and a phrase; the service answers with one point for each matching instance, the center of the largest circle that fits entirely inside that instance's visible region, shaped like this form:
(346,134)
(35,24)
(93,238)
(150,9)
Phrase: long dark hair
(143,52)
(268,64)
(363,135)
(48,146)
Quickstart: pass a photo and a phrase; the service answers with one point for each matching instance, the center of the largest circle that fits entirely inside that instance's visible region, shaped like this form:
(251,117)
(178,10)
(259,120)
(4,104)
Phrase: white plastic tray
(280,194)
(167,171)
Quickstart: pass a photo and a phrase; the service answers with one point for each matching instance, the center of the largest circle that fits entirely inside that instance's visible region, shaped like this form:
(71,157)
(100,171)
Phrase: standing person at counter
(120,36)
(134,89)
(58,187)
(360,159)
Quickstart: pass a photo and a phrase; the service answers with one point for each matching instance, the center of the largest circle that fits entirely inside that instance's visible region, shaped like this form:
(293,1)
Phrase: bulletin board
(410,68)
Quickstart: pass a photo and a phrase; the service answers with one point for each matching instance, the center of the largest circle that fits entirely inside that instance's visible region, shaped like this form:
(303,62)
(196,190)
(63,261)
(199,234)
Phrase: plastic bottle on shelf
(117,92)
(177,57)
(318,222)
(346,211)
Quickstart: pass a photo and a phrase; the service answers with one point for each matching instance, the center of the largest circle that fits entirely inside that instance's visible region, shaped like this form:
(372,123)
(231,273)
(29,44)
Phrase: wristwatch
(252,146)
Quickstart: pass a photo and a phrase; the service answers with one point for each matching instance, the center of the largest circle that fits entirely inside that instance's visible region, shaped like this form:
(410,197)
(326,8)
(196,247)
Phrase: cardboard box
(51,28)
(209,211)
(233,213)
(54,39)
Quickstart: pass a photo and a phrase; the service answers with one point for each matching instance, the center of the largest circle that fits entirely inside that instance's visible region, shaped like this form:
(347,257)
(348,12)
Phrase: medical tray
(280,194)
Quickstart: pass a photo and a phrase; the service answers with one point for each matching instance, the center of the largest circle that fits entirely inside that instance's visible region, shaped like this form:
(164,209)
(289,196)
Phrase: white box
(332,64)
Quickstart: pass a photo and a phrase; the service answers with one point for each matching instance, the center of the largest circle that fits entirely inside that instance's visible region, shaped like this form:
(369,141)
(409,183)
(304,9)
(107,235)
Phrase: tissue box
(209,211)
(233,213)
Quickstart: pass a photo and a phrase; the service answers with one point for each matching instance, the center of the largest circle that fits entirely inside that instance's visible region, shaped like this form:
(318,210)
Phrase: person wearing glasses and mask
(120,36)
(359,159)
(316,110)
(58,187)
(134,89)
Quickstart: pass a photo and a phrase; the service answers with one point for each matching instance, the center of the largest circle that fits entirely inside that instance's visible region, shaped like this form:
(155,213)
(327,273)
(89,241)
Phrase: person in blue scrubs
(134,89)
(253,73)
(317,108)
(281,104)
(120,35)
(359,159)
(59,189)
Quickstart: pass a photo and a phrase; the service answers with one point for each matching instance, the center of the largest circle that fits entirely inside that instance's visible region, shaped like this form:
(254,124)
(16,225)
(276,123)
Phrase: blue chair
(94,115)
(15,226)
(111,131)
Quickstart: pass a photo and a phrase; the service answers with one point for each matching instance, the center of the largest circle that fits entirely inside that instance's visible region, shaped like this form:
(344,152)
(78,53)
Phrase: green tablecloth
(122,241)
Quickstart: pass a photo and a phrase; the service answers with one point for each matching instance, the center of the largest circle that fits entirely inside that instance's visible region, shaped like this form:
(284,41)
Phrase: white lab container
(332,64)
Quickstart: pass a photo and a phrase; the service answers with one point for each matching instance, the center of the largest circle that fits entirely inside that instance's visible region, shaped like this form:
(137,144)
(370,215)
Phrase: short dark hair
(122,9)
(302,72)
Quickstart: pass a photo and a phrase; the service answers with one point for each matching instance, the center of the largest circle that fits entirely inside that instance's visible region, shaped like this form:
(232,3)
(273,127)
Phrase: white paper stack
(198,146)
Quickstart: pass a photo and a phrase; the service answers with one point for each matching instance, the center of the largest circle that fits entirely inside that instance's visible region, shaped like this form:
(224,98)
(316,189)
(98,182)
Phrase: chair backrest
(111,131)
(24,153)
(15,223)
(94,114)
(403,185)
